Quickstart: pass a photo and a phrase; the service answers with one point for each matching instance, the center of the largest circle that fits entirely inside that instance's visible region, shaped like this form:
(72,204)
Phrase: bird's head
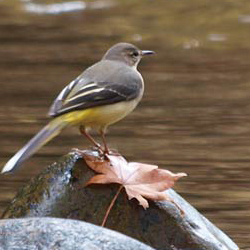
(126,53)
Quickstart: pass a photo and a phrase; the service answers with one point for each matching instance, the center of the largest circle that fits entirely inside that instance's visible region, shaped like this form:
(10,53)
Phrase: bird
(101,95)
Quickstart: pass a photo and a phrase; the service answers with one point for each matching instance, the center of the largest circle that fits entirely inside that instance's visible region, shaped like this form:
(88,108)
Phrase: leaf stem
(111,205)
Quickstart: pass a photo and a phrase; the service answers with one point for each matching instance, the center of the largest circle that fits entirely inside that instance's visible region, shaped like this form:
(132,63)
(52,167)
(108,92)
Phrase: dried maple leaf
(139,180)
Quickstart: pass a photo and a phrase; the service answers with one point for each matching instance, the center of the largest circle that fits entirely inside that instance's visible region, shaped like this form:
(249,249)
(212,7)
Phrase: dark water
(195,115)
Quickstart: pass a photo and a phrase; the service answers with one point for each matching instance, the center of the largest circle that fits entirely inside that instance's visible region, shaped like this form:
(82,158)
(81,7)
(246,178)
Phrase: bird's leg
(89,137)
(106,149)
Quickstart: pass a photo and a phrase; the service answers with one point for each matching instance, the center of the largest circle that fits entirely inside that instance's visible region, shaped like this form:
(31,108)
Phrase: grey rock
(61,234)
(59,192)
(199,228)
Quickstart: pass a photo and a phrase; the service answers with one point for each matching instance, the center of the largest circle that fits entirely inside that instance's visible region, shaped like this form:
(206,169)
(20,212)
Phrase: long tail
(51,130)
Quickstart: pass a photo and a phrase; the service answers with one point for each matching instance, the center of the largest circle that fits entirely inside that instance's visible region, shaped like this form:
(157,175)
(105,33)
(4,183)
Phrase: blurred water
(195,115)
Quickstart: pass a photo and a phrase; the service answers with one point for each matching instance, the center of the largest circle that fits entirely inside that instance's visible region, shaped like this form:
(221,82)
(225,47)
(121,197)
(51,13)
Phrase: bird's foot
(111,152)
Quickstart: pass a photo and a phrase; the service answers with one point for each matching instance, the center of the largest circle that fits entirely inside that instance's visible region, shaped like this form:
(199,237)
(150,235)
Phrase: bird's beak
(147,52)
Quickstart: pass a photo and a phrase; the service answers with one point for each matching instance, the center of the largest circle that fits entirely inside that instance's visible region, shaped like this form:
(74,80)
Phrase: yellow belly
(102,116)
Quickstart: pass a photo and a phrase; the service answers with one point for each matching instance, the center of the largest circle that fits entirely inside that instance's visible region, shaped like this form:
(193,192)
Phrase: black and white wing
(93,94)
(58,102)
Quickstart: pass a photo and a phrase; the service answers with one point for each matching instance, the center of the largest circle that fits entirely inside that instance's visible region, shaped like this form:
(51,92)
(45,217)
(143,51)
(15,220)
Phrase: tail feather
(41,138)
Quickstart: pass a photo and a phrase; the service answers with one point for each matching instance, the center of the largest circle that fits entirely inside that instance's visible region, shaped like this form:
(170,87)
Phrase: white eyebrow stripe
(84,94)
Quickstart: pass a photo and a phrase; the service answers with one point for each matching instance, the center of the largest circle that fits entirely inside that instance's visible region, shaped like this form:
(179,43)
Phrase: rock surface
(61,234)
(58,192)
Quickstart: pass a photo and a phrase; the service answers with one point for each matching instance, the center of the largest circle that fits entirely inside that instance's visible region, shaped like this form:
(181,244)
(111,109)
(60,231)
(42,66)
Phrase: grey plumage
(111,81)
(41,138)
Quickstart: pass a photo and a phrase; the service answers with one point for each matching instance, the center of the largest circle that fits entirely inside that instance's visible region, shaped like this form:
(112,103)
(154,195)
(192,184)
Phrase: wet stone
(60,234)
(58,191)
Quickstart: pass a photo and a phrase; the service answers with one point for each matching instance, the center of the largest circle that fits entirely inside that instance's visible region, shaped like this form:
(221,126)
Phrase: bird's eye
(135,54)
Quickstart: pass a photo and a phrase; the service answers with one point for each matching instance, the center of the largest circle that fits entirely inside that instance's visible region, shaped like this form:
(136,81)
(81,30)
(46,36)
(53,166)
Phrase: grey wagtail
(103,94)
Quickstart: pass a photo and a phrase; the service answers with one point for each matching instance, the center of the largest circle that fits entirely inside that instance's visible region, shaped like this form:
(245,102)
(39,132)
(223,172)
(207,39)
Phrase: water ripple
(54,9)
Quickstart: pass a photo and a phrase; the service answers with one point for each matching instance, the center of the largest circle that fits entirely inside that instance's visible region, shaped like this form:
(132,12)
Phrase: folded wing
(93,94)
